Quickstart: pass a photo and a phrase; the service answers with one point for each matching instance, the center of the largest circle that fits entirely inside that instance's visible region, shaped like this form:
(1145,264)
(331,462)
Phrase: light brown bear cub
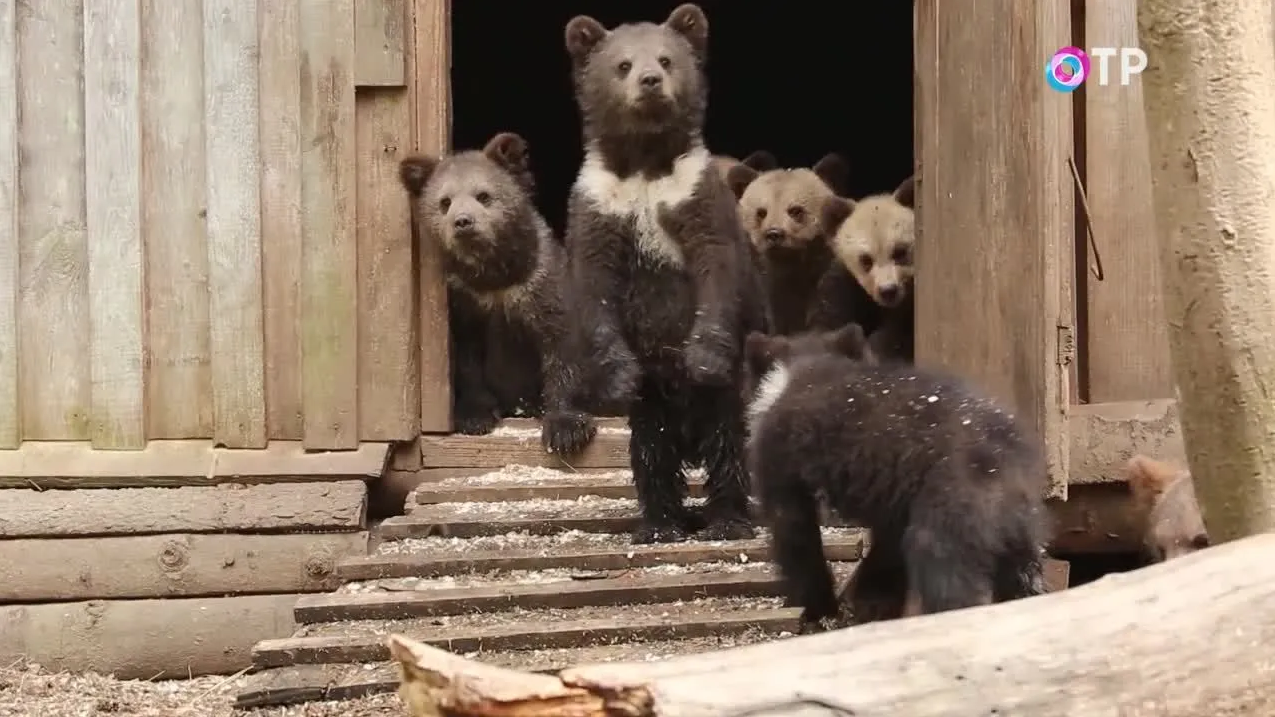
(870,281)
(505,273)
(782,211)
(1165,496)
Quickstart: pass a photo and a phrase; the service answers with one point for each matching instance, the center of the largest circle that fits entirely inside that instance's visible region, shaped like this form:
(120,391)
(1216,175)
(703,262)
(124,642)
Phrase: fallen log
(1185,638)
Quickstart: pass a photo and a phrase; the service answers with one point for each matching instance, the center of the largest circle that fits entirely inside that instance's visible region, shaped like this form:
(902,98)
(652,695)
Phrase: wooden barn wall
(202,234)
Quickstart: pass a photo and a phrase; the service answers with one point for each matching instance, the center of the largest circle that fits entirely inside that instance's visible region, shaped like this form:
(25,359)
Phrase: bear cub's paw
(728,529)
(821,612)
(476,419)
(567,432)
(648,532)
(708,359)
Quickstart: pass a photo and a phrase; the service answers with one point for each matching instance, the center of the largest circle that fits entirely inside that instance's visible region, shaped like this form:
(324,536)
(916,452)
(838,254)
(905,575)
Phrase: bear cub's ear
(509,150)
(835,212)
(690,22)
(739,177)
(761,161)
(851,342)
(762,351)
(583,34)
(835,172)
(905,194)
(414,172)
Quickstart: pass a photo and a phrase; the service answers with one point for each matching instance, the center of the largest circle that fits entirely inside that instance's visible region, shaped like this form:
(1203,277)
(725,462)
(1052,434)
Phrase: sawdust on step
(528,433)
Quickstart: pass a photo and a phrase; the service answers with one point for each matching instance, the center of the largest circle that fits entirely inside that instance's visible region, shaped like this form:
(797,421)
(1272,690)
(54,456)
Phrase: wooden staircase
(528,568)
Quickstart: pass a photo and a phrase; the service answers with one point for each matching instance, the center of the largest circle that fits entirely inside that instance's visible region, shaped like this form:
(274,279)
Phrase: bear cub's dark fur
(661,271)
(949,484)
(511,350)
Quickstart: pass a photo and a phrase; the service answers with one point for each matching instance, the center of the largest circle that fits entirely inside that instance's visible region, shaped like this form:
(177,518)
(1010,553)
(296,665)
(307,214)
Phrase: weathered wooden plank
(415,525)
(429,85)
(564,489)
(610,449)
(264,508)
(60,464)
(233,148)
(1128,339)
(380,39)
(1104,436)
(172,565)
(314,683)
(607,592)
(1057,575)
(328,645)
(179,638)
(53,312)
(113,185)
(388,348)
(179,401)
(1000,214)
(1097,519)
(430,565)
(329,279)
(280,82)
(10,413)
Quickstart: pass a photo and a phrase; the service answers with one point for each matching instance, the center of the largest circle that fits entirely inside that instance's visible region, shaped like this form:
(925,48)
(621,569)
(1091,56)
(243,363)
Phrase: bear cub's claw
(648,533)
(728,529)
(475,421)
(567,432)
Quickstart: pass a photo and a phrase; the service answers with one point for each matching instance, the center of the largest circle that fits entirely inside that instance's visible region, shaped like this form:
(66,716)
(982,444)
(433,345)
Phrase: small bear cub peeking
(871,279)
(782,211)
(1165,498)
(505,273)
(950,486)
(660,268)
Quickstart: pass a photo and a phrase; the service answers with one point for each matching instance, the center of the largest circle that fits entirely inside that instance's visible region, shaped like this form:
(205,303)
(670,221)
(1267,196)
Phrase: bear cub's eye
(901,255)
(665,62)
(761,214)
(798,213)
(483,198)
(865,261)
(625,66)
(444,204)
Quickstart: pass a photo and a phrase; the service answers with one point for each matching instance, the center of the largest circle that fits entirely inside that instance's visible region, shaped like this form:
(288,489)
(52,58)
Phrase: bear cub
(870,281)
(782,211)
(1165,497)
(950,486)
(505,273)
(660,269)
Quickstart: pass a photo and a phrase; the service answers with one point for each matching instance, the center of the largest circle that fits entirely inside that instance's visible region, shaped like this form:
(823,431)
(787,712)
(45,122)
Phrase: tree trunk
(1189,637)
(1211,124)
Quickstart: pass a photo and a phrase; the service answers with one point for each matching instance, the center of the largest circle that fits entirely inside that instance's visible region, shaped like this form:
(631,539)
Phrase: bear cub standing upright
(505,275)
(660,267)
(949,485)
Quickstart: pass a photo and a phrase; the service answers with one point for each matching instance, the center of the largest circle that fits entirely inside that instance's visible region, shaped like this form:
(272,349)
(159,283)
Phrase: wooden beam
(172,565)
(265,508)
(380,37)
(144,639)
(1138,643)
(1104,436)
(1097,518)
(609,449)
(10,413)
(57,464)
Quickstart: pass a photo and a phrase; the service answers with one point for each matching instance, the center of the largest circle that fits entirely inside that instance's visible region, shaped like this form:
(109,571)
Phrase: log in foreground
(1188,637)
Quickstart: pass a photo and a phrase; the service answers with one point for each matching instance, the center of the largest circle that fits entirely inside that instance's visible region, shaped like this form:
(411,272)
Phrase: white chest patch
(772,386)
(640,200)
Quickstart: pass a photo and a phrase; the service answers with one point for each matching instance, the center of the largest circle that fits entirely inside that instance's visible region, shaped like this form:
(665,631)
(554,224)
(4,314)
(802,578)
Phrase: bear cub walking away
(949,485)
(505,273)
(782,211)
(870,280)
(1165,497)
(660,268)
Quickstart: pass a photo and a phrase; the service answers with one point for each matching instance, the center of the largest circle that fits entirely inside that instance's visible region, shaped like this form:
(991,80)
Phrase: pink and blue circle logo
(1067,69)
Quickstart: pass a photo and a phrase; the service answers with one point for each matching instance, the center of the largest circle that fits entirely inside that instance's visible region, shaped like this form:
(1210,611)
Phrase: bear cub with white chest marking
(950,486)
(660,267)
(511,351)
(870,281)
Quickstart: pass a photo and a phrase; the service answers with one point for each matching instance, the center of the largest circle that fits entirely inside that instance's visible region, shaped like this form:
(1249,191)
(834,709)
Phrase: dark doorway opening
(793,79)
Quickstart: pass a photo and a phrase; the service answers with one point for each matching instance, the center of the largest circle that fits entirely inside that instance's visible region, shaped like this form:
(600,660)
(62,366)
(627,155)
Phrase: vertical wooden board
(178,368)
(994,185)
(280,82)
(233,150)
(10,428)
(430,87)
(380,29)
(329,278)
(389,392)
(53,312)
(1128,336)
(112,176)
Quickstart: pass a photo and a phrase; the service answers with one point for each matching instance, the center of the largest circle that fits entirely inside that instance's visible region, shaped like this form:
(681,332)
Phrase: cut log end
(436,683)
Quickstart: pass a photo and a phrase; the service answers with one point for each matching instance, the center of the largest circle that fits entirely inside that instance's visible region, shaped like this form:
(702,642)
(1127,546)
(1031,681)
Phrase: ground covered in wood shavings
(28,691)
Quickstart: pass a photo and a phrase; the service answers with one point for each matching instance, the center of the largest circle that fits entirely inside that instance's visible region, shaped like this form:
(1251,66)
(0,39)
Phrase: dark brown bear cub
(950,486)
(505,275)
(660,269)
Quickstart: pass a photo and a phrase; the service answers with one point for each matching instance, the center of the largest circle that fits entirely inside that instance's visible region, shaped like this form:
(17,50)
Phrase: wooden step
(555,591)
(364,641)
(518,443)
(437,557)
(312,683)
(538,517)
(531,483)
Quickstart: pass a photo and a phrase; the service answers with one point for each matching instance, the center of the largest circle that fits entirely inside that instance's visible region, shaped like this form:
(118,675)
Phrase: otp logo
(1067,69)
